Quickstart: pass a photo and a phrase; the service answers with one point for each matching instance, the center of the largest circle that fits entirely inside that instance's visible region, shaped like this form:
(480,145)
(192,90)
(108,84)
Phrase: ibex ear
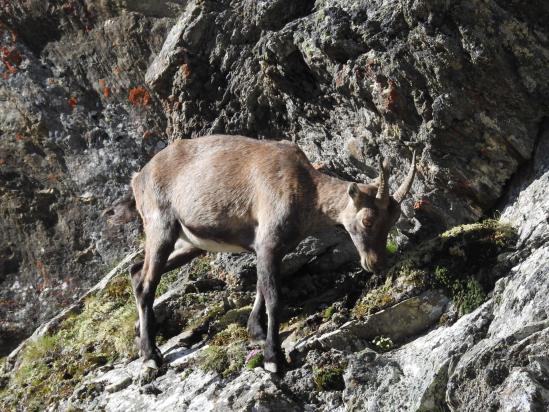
(354,192)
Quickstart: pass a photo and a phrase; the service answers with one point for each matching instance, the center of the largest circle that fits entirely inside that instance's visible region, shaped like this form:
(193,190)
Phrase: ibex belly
(208,245)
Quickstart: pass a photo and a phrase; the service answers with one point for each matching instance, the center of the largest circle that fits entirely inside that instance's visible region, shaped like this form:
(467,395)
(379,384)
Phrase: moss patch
(462,261)
(226,352)
(392,246)
(328,313)
(166,281)
(255,361)
(53,365)
(200,267)
(374,300)
(329,378)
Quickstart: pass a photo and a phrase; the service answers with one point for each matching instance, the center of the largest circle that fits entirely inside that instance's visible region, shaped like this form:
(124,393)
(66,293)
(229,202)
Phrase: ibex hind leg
(268,266)
(160,239)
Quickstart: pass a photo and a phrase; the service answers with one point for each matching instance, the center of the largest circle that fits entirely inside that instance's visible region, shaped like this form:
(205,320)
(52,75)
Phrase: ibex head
(371,212)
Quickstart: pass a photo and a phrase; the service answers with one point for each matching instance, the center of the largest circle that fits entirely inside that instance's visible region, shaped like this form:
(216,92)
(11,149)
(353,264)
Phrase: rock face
(91,90)
(72,134)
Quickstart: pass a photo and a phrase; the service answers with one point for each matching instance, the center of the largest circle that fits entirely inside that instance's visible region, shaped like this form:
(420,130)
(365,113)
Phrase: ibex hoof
(271,367)
(150,370)
(151,364)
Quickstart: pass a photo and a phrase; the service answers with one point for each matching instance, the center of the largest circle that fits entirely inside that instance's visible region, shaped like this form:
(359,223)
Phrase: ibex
(234,194)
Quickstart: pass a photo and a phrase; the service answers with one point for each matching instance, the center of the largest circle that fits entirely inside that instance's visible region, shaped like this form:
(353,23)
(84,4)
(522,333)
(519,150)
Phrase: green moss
(255,361)
(329,378)
(392,246)
(460,261)
(223,360)
(375,300)
(328,312)
(467,293)
(226,352)
(238,315)
(383,343)
(200,267)
(53,365)
(470,296)
(502,231)
(166,281)
(233,333)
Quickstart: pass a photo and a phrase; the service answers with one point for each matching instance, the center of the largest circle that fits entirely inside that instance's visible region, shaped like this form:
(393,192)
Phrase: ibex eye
(367,222)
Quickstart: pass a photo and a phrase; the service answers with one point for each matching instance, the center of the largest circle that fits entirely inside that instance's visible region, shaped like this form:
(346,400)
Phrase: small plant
(224,360)
(329,378)
(254,359)
(392,246)
(383,343)
(200,267)
(467,293)
(470,296)
(328,313)
(227,351)
(442,277)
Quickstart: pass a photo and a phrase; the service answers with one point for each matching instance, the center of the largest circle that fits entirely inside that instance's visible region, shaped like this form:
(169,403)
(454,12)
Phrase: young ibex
(234,194)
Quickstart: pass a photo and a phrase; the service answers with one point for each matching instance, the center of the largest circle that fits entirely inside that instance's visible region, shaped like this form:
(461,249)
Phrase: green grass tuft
(329,378)
(392,246)
(226,352)
(53,365)
(328,313)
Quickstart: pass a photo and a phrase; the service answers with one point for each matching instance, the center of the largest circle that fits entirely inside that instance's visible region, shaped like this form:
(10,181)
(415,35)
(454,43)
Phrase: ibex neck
(332,197)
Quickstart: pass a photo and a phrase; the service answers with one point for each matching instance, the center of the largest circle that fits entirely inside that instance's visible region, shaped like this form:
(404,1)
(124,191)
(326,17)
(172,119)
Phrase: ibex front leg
(257,331)
(268,267)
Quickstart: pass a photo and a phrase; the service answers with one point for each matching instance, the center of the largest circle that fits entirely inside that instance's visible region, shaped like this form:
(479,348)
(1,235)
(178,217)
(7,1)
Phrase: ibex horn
(404,188)
(382,197)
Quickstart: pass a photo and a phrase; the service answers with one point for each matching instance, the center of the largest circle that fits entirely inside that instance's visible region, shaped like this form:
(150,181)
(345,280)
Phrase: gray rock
(122,383)
(399,322)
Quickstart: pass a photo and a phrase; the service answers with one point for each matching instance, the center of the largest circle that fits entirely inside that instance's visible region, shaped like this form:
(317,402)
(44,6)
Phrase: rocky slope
(458,323)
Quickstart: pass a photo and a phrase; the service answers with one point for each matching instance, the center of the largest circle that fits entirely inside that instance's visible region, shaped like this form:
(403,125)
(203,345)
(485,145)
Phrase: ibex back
(234,194)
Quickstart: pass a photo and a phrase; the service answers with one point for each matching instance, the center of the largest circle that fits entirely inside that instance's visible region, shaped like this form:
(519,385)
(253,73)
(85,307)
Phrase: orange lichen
(19,137)
(73,101)
(2,162)
(421,203)
(139,97)
(104,88)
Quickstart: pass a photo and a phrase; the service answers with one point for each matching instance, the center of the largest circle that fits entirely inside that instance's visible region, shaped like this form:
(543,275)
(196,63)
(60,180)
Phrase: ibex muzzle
(231,193)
